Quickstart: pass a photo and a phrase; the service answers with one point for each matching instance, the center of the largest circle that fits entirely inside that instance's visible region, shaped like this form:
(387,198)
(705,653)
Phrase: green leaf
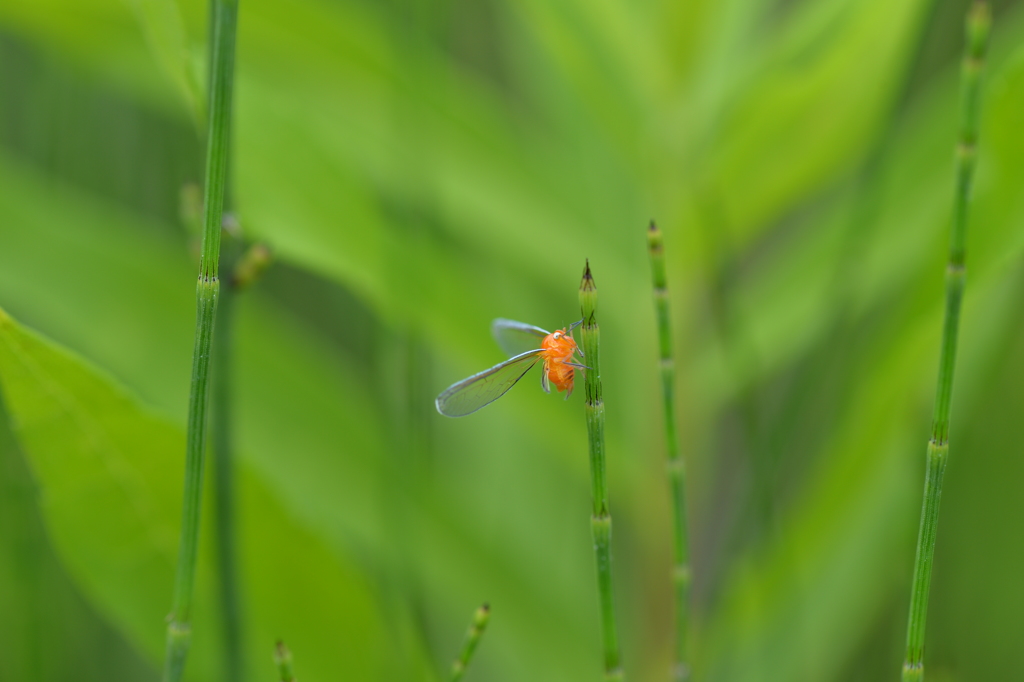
(165,33)
(813,102)
(109,474)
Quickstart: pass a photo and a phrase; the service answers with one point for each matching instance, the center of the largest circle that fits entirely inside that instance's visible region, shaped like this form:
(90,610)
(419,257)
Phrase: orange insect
(556,350)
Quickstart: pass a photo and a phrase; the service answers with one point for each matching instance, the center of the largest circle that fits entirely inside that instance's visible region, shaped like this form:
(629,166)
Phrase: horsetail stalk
(601,519)
(224,14)
(675,466)
(978,22)
(476,630)
(283,660)
(222,449)
(246,267)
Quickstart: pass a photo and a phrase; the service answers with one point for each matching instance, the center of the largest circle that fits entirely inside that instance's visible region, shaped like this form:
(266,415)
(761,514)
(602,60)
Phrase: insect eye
(557,335)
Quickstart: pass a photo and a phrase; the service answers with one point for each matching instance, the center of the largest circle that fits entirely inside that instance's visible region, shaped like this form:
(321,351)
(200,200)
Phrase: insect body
(557,350)
(556,353)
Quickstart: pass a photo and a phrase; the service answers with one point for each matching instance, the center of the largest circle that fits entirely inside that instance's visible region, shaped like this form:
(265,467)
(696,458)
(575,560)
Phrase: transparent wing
(516,337)
(469,395)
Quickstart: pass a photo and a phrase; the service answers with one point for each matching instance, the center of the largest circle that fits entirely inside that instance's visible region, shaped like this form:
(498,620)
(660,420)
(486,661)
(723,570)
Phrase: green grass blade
(105,464)
(978,22)
(164,29)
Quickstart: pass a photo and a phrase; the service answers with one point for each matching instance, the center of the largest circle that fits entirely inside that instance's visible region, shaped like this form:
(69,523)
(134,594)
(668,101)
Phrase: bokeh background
(419,168)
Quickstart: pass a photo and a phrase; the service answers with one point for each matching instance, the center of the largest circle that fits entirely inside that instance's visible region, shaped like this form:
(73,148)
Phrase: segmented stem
(476,630)
(222,449)
(283,659)
(676,468)
(208,287)
(978,22)
(601,518)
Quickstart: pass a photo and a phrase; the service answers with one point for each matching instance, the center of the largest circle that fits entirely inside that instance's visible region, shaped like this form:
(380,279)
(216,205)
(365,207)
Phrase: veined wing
(516,337)
(469,395)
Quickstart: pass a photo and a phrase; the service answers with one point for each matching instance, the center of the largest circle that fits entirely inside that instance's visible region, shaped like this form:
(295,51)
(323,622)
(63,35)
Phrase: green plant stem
(676,467)
(978,22)
(224,484)
(601,518)
(208,287)
(283,659)
(476,629)
(246,268)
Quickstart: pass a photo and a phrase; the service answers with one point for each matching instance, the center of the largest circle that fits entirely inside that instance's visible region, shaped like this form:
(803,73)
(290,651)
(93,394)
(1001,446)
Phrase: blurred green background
(419,168)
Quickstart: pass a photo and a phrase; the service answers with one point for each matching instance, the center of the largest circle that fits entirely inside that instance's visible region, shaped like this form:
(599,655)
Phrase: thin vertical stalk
(224,484)
(246,268)
(978,22)
(676,467)
(476,629)
(179,633)
(283,659)
(601,518)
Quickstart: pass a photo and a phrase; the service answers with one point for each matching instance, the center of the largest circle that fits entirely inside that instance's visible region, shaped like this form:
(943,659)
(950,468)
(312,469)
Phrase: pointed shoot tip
(588,296)
(587,277)
(281,653)
(654,240)
(480,618)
